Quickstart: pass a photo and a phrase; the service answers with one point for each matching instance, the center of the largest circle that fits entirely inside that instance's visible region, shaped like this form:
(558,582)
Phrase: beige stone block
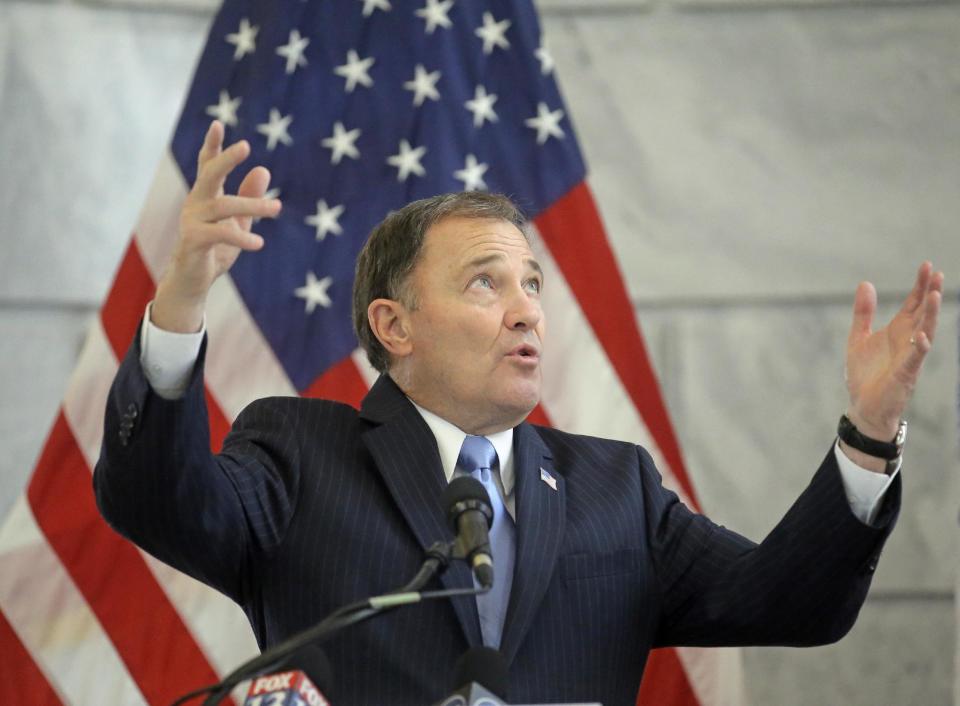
(899,652)
(768,155)
(39,348)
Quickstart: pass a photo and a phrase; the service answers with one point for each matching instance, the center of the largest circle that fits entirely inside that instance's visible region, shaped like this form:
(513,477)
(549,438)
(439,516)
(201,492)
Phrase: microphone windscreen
(485,666)
(464,489)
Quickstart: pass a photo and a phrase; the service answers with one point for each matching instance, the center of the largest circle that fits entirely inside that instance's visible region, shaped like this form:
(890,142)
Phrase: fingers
(927,329)
(208,204)
(919,291)
(254,185)
(227,233)
(927,310)
(213,218)
(214,171)
(212,143)
(864,307)
(223,207)
(915,357)
(936,282)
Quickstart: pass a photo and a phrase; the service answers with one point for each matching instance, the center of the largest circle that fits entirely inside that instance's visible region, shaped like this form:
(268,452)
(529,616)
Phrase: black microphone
(470,516)
(481,677)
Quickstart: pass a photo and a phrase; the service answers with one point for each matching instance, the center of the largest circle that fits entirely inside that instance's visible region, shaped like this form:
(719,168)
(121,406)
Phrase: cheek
(479,330)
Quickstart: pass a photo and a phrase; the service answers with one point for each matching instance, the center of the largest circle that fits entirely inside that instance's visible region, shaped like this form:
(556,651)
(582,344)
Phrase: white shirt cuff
(864,489)
(168,358)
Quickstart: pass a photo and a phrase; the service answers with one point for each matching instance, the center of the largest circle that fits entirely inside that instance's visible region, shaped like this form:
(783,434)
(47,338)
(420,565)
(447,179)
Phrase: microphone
(300,679)
(481,678)
(470,516)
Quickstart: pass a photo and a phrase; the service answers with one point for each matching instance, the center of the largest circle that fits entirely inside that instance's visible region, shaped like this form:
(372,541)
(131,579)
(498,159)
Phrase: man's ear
(390,323)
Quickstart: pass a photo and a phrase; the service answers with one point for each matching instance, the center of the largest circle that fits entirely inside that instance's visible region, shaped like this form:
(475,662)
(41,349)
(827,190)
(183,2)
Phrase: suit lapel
(405,452)
(540,524)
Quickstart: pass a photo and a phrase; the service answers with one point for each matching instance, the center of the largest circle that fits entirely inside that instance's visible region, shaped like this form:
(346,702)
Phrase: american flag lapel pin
(548,479)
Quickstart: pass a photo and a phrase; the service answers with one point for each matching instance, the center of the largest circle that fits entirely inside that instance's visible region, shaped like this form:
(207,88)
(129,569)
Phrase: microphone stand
(438,558)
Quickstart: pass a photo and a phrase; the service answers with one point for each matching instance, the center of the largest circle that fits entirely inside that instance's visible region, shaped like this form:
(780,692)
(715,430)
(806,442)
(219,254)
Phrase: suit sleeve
(158,483)
(802,585)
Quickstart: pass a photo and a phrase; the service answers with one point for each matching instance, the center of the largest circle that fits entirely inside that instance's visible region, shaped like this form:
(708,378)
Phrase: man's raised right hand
(214,228)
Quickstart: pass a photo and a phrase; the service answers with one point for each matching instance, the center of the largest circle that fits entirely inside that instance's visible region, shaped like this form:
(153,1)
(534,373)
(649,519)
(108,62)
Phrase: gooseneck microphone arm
(438,557)
(474,548)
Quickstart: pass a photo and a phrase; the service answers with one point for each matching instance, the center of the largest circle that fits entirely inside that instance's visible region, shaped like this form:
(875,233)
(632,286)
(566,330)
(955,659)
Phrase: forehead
(457,240)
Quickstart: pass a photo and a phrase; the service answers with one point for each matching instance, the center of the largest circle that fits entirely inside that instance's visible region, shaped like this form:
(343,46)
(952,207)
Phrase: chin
(521,400)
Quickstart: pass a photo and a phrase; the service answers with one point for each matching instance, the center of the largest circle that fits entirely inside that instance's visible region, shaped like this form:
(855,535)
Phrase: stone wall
(753,160)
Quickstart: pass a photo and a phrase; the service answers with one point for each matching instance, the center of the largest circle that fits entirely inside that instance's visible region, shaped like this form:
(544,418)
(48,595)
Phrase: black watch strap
(881,449)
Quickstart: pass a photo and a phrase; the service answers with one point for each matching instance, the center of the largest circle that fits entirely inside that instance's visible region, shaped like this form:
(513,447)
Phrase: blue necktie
(477,456)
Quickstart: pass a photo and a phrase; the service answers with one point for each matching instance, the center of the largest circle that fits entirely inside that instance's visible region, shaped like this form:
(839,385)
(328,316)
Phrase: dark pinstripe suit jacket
(312,505)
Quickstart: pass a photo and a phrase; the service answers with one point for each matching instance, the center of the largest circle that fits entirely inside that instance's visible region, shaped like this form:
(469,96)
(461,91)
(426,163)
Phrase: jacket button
(132,410)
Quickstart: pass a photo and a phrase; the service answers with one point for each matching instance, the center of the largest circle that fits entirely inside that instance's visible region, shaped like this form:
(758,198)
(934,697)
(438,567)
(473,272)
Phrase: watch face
(901,434)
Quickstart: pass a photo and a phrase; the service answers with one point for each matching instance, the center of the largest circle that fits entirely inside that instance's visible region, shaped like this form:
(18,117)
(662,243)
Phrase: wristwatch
(889,450)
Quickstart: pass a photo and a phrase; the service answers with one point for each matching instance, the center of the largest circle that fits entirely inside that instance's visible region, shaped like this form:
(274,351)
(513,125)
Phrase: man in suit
(312,505)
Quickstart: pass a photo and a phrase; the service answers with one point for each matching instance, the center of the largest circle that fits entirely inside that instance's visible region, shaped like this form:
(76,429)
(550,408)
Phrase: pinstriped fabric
(312,505)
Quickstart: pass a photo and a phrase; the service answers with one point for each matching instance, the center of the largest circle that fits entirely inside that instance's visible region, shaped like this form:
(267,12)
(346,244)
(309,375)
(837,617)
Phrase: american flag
(356,107)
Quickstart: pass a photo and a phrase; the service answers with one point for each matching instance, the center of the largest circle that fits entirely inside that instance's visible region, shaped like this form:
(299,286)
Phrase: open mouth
(525,351)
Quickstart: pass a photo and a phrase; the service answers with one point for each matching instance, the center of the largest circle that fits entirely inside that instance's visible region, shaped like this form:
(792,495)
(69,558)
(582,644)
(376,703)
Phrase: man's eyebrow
(483,261)
(496,257)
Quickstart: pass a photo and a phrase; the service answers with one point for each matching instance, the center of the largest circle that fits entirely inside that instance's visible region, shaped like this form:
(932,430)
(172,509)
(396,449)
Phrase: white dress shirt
(450,439)
(168,359)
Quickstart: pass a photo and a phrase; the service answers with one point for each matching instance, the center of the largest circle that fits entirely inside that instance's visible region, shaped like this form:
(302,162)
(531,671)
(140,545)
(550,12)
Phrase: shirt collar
(450,439)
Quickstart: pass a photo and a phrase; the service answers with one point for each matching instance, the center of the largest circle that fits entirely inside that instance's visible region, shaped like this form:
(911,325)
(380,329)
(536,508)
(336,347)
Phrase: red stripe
(131,290)
(218,423)
(151,638)
(572,230)
(665,681)
(122,311)
(342,383)
(21,681)
(539,416)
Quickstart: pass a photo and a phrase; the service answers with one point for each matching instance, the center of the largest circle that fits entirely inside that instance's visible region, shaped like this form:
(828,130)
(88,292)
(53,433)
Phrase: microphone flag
(292,688)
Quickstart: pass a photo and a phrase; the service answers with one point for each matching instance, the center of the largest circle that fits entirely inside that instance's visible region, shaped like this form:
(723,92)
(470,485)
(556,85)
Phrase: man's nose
(523,311)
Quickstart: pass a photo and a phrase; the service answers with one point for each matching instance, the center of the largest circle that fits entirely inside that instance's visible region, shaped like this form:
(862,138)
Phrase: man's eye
(483,281)
(534,286)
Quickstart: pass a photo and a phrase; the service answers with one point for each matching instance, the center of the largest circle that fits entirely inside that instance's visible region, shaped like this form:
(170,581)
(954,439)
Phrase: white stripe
(582,392)
(241,365)
(368,373)
(715,674)
(158,226)
(86,398)
(216,622)
(54,622)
